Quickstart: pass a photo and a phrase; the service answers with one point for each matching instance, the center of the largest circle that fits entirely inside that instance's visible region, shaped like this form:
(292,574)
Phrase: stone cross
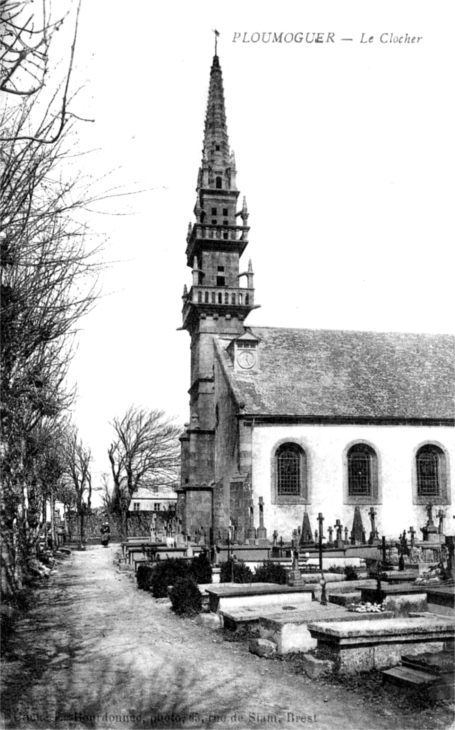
(295,562)
(345,534)
(412,532)
(261,512)
(374,537)
(275,538)
(430,514)
(339,529)
(251,529)
(330,531)
(320,521)
(440,517)
(323,591)
(372,514)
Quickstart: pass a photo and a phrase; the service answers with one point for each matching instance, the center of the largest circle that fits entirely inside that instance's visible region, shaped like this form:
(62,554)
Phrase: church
(291,421)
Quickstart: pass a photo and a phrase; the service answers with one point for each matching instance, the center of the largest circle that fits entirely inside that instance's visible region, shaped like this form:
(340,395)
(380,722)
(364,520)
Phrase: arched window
(288,470)
(240,299)
(247,298)
(199,297)
(213,297)
(430,475)
(361,463)
(220,298)
(219,183)
(429,470)
(232,298)
(290,479)
(206,297)
(226,298)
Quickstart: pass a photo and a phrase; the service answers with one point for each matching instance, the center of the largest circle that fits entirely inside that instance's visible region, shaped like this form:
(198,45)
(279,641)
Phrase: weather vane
(216,41)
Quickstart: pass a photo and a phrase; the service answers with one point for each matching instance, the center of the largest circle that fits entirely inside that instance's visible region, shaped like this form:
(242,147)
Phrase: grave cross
(320,521)
(339,529)
(372,514)
(330,531)
(412,532)
(440,516)
(323,584)
(319,537)
(374,537)
(261,512)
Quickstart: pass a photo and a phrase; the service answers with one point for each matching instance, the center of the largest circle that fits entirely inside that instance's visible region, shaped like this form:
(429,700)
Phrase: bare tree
(77,460)
(106,493)
(144,453)
(48,276)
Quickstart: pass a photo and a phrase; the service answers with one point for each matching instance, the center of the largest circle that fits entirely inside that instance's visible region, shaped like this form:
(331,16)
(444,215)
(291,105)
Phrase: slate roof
(346,374)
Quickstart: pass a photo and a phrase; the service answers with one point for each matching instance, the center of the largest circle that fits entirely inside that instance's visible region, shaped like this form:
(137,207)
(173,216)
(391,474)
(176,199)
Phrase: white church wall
(325,446)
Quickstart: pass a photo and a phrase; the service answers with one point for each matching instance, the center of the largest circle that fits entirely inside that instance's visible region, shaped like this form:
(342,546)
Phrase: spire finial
(216,41)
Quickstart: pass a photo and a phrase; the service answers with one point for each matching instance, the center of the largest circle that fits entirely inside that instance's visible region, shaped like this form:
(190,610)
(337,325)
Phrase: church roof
(341,374)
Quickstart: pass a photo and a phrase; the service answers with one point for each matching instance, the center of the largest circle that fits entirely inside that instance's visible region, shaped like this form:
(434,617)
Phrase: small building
(156,499)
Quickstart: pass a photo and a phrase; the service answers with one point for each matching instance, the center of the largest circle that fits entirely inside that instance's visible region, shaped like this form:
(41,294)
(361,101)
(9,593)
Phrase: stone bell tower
(216,304)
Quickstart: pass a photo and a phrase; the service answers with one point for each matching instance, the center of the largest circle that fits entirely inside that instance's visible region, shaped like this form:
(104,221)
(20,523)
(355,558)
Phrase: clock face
(246,360)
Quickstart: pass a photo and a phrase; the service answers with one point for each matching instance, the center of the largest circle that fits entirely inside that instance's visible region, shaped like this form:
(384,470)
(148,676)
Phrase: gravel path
(95,652)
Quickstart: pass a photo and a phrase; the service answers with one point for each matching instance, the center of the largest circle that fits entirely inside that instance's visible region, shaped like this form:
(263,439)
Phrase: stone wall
(138,525)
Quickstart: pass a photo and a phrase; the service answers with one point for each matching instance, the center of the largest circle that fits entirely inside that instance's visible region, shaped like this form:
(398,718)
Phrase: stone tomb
(223,597)
(357,646)
(441,599)
(289,630)
(401,599)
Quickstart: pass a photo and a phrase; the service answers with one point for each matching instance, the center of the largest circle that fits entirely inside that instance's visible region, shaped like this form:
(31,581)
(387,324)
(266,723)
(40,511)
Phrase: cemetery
(351,604)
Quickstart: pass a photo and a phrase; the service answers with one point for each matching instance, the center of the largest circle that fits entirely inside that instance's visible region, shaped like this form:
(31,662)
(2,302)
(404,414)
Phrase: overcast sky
(345,152)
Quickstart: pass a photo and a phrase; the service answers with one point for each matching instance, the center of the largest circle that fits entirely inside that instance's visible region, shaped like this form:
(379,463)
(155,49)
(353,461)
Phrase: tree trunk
(82,530)
(124,524)
(52,505)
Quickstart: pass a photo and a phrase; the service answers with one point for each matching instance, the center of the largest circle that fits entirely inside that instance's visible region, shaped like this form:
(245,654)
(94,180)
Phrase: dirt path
(95,652)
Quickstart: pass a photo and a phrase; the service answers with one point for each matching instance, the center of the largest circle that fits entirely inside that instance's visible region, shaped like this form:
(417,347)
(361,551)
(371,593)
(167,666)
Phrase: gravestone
(374,536)
(251,529)
(306,536)
(295,577)
(339,539)
(357,532)
(261,532)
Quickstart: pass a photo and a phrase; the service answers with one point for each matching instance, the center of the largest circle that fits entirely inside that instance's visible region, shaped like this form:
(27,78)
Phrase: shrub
(165,574)
(270,572)
(350,572)
(144,577)
(235,571)
(334,569)
(186,597)
(201,568)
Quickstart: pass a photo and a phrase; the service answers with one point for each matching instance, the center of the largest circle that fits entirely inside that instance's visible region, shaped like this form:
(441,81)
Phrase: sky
(344,150)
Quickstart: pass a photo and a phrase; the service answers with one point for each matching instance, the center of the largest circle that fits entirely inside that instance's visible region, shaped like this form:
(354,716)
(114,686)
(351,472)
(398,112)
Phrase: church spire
(215,151)
(219,235)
